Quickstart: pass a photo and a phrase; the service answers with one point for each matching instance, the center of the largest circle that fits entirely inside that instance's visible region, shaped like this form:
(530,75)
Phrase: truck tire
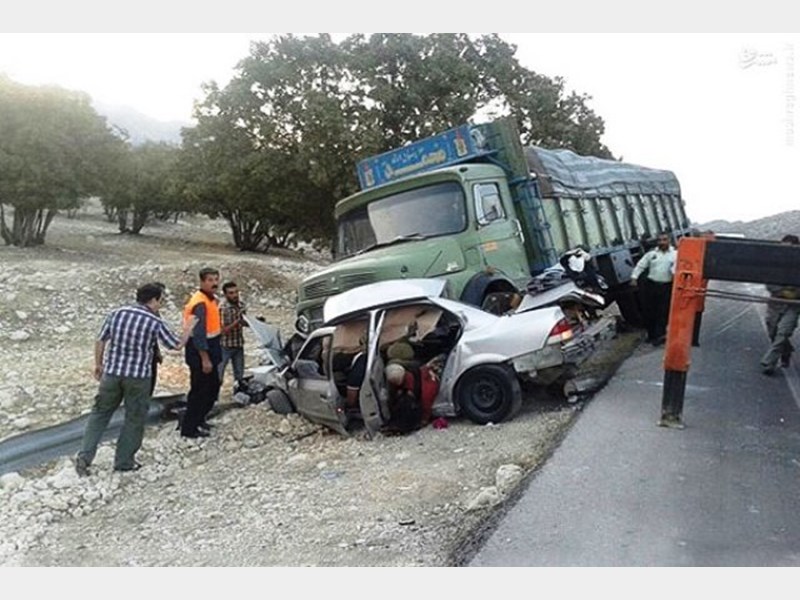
(279,402)
(489,393)
(497,303)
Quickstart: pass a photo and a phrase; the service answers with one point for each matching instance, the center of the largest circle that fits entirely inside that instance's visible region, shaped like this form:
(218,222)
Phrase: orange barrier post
(687,302)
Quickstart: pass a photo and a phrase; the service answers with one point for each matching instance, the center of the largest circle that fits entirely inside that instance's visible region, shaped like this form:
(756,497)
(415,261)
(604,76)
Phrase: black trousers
(154,376)
(203,394)
(656,308)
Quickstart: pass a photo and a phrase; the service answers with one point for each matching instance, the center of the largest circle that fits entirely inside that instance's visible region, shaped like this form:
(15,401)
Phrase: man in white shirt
(660,266)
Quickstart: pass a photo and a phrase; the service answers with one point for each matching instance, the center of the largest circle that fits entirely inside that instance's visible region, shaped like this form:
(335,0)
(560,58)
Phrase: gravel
(264,489)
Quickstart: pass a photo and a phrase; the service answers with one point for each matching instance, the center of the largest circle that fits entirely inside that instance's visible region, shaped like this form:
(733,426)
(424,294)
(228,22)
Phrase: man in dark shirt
(158,358)
(232,311)
(123,366)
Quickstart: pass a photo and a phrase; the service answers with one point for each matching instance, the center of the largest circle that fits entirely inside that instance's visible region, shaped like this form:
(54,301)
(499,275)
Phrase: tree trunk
(122,220)
(247,234)
(138,220)
(110,213)
(28,226)
(5,232)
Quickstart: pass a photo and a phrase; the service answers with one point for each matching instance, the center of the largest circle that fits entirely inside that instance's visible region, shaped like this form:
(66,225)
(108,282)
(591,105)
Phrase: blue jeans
(235,356)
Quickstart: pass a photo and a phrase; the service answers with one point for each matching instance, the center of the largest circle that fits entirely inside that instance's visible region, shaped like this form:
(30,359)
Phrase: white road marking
(731,322)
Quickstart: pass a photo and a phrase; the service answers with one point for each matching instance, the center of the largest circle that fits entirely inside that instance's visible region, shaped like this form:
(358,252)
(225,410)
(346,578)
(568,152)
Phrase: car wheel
(489,393)
(279,402)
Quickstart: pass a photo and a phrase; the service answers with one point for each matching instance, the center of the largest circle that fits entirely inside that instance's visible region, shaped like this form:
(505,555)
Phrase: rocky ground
(263,489)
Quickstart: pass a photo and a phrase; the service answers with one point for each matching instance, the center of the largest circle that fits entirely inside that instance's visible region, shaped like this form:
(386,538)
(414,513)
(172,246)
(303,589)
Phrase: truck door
(502,243)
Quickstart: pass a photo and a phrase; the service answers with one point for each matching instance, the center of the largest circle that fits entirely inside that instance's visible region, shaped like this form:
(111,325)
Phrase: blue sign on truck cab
(453,146)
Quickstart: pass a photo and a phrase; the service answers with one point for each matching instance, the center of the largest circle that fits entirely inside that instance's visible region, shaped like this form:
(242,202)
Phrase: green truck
(472,205)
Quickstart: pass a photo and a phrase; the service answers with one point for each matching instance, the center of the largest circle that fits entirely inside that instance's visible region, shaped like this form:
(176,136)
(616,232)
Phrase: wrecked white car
(477,359)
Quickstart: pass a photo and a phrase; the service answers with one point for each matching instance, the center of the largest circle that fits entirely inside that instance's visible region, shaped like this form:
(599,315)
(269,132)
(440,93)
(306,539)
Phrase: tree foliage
(144,185)
(275,149)
(54,150)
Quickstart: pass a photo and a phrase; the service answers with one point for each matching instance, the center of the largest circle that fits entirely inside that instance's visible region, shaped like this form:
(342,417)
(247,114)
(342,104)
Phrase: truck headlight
(302,324)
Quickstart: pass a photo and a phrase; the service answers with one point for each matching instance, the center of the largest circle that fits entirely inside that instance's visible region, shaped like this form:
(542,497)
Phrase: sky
(719,110)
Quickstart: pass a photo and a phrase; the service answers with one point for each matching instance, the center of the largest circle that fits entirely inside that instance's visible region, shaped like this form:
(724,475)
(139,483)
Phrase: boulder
(11,481)
(507,477)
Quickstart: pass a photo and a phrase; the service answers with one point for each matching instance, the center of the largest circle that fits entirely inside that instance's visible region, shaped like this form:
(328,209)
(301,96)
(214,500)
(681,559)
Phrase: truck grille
(352,280)
(319,289)
(326,287)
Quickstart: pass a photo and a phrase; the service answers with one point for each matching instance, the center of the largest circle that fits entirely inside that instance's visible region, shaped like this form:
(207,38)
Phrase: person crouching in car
(412,391)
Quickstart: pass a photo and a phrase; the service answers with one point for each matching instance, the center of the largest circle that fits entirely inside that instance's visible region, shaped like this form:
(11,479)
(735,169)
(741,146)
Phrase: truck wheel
(279,402)
(489,393)
(497,303)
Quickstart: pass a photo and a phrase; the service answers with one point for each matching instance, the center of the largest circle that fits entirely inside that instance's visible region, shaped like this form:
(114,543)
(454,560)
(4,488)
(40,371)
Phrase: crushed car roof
(382,293)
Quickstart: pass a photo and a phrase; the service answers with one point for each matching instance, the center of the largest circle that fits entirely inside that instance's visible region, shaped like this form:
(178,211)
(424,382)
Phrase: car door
(311,387)
(373,398)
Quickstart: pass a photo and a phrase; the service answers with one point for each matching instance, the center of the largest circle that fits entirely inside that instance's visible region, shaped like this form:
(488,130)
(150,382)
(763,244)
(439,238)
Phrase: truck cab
(454,223)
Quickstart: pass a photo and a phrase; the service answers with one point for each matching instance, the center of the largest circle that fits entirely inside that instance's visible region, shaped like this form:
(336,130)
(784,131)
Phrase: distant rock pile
(768,228)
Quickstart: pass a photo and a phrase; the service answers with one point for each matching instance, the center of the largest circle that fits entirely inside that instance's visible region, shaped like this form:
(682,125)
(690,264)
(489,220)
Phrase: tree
(545,114)
(54,150)
(416,86)
(276,148)
(271,152)
(143,185)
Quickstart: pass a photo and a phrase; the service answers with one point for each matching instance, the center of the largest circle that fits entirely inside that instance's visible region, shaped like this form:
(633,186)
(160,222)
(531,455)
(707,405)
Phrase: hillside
(773,227)
(140,127)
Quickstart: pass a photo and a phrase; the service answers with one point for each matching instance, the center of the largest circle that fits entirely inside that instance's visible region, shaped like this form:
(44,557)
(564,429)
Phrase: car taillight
(561,332)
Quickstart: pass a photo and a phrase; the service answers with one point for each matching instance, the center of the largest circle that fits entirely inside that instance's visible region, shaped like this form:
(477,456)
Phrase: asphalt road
(621,491)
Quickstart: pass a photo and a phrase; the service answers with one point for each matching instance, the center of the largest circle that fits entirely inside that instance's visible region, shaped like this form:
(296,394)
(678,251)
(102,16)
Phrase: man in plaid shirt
(123,364)
(232,312)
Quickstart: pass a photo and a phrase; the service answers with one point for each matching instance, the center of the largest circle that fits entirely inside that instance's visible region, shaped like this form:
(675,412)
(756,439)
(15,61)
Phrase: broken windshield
(424,212)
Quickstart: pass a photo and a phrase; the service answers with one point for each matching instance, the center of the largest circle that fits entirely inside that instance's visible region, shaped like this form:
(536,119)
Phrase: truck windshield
(416,214)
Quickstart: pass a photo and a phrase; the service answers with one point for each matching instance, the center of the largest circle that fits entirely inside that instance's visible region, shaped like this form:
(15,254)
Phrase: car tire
(279,402)
(489,394)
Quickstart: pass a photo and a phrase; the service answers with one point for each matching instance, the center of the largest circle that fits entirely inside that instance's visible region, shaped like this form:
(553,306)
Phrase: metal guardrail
(34,448)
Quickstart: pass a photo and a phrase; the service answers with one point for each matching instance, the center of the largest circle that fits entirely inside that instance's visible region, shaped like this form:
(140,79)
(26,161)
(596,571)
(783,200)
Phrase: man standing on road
(782,320)
(203,355)
(129,334)
(660,266)
(232,311)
